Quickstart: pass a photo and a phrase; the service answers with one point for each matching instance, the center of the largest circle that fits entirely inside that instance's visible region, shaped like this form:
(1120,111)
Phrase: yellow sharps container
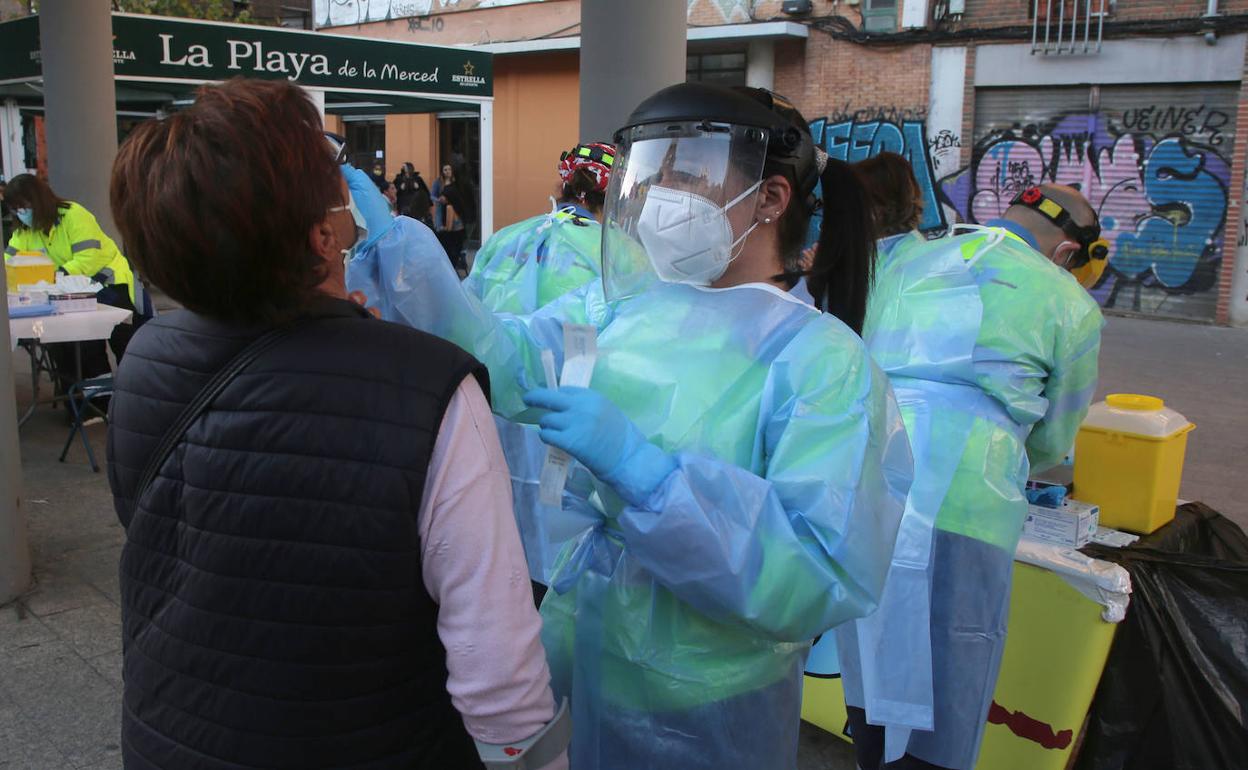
(27,267)
(1064,609)
(1129,460)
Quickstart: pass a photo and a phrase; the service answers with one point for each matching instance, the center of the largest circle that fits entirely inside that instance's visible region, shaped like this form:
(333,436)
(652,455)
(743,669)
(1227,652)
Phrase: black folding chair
(81,399)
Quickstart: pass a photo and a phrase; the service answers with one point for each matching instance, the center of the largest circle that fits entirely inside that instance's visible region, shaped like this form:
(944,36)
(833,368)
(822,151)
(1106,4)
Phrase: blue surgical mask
(25,216)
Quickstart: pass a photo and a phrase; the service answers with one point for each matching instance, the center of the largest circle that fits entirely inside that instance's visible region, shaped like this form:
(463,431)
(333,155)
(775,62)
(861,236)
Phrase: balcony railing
(1067,26)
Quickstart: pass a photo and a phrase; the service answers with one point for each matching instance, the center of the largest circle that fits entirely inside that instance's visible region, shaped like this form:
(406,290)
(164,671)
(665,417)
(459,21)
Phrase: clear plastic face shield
(680,204)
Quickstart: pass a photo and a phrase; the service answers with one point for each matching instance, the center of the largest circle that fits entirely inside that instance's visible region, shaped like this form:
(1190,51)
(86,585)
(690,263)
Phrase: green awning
(154,49)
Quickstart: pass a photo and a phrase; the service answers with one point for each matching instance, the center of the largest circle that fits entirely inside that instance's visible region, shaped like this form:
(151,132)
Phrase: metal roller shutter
(1153,159)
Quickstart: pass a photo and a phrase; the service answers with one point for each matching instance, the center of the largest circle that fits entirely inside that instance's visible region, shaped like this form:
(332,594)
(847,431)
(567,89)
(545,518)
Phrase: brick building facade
(1140,108)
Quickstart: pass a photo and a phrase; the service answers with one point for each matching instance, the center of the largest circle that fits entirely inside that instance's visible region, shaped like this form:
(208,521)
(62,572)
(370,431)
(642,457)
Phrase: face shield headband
(790,146)
(1091,245)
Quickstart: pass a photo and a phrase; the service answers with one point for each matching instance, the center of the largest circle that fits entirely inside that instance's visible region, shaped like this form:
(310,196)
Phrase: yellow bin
(26,267)
(1129,460)
(1055,650)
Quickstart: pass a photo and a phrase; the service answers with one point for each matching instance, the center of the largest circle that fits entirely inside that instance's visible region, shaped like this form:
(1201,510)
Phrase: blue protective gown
(520,270)
(991,350)
(679,628)
(527,265)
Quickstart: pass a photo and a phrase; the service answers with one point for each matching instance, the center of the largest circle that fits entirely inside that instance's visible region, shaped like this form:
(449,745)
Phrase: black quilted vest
(272,604)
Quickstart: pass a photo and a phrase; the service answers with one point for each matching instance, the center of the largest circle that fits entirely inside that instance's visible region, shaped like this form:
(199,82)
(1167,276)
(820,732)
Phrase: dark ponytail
(844,267)
(844,264)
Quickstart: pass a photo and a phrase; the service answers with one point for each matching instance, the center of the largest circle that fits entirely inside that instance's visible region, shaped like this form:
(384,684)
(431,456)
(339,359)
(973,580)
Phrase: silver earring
(766,220)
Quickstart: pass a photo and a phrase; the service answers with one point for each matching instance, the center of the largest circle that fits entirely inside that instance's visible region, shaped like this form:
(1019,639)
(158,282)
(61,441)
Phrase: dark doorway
(366,142)
(459,144)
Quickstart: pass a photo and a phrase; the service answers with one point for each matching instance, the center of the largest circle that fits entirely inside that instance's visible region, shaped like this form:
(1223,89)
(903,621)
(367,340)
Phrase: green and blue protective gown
(525,266)
(680,628)
(992,352)
(520,270)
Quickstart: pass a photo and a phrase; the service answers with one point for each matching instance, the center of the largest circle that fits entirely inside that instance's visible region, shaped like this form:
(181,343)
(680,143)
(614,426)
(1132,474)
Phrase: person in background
(748,465)
(444,179)
(413,194)
(991,346)
(458,211)
(71,237)
(894,197)
(324,572)
(525,266)
(391,197)
(378,175)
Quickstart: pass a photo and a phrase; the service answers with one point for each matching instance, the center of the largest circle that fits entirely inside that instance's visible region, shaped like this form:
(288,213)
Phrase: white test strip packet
(580,345)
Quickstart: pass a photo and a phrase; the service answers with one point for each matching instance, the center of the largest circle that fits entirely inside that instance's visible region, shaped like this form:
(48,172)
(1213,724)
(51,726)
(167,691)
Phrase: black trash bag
(1175,689)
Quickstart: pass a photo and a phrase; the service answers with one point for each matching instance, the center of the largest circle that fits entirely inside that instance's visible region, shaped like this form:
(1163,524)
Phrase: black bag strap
(204,398)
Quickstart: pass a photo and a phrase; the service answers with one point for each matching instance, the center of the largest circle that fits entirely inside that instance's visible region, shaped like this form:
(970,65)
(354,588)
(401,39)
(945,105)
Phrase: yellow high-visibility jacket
(77,245)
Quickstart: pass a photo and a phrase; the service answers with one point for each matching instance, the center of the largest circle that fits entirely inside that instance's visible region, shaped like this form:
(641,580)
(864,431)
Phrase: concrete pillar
(914,14)
(626,55)
(487,170)
(80,102)
(318,98)
(945,109)
(1238,309)
(760,64)
(14,547)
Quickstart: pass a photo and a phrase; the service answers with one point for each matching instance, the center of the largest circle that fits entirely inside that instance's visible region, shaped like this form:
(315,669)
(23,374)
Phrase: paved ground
(60,646)
(60,664)
(1202,371)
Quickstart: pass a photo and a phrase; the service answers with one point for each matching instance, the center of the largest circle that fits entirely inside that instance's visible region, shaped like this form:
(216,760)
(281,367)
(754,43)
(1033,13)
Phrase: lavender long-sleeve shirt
(474,568)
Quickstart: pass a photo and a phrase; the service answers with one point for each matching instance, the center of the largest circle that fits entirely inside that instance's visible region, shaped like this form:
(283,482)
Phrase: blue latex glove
(586,425)
(371,203)
(1049,497)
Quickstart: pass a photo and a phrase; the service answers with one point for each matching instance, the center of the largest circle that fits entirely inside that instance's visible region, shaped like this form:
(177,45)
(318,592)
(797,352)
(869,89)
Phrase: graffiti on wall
(890,113)
(1161,195)
(854,135)
(336,13)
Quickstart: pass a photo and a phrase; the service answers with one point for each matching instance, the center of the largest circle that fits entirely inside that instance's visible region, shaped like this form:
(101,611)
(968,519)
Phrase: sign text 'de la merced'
(251,55)
(158,48)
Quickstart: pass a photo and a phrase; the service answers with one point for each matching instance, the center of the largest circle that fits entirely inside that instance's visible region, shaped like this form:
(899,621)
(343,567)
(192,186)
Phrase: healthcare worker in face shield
(527,265)
(748,463)
(894,197)
(991,346)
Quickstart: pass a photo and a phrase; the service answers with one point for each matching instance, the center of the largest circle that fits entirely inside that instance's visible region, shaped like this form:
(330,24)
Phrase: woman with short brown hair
(321,565)
(893,193)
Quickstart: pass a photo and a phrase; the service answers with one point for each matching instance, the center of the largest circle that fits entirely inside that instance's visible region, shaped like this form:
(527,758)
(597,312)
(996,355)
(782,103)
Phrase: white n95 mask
(688,237)
(361,229)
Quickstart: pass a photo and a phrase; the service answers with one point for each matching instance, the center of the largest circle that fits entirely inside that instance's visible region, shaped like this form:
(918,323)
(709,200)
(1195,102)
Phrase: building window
(879,15)
(366,140)
(726,69)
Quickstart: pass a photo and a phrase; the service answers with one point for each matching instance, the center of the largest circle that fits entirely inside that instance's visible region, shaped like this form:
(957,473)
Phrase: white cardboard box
(73,303)
(1072,525)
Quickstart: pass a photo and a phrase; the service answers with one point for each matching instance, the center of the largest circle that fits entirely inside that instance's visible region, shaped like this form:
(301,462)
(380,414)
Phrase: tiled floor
(60,662)
(60,645)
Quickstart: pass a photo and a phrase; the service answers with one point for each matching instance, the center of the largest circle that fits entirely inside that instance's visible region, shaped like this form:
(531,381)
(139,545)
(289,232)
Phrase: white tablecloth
(68,327)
